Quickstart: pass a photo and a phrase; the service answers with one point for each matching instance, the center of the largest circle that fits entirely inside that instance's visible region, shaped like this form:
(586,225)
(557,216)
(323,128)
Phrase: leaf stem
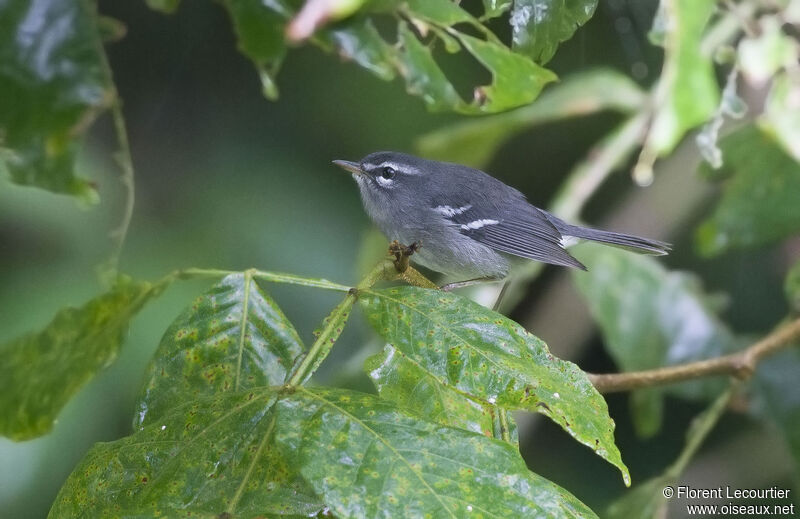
(385,269)
(505,434)
(741,365)
(123,158)
(699,429)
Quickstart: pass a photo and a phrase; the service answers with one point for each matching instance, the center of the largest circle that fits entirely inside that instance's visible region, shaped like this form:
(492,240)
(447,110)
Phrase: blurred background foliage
(225,178)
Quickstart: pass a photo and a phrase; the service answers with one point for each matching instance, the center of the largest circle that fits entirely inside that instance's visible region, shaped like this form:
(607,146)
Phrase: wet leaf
(241,453)
(539,26)
(41,371)
(760,191)
(441,12)
(259,28)
(210,457)
(516,80)
(482,353)
(52,86)
(360,42)
(651,317)
(687,91)
(399,379)
(423,76)
(233,337)
(475,142)
(366,459)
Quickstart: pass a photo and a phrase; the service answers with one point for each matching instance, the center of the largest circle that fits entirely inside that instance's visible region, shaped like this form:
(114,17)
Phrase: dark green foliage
(52,86)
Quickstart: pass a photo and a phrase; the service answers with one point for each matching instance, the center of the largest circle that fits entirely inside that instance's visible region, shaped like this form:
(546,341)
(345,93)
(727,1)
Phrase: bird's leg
(402,253)
(467,283)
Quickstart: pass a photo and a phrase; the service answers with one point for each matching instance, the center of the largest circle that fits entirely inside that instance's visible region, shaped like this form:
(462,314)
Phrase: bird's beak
(352,167)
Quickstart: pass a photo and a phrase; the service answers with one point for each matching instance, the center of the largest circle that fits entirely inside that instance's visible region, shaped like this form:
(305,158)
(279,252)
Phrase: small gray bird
(469,224)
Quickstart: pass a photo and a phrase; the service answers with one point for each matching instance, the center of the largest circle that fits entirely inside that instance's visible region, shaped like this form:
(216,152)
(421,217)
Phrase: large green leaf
(687,91)
(239,454)
(52,86)
(233,337)
(365,458)
(761,189)
(204,459)
(650,317)
(475,142)
(484,354)
(539,26)
(399,379)
(41,371)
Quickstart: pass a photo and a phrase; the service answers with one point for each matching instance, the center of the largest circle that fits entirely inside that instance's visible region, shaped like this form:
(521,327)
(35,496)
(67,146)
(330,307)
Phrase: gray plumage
(469,223)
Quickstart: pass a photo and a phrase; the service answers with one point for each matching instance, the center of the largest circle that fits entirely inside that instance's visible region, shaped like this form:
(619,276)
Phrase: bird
(469,224)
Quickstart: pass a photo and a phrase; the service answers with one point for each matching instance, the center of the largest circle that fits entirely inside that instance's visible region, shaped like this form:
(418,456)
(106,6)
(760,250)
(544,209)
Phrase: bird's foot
(402,253)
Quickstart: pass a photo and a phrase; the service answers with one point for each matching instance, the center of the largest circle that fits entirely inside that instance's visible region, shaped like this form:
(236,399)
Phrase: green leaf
(365,458)
(42,371)
(441,12)
(423,76)
(241,453)
(760,194)
(777,396)
(484,354)
(687,91)
(792,287)
(360,42)
(259,31)
(52,86)
(233,337)
(205,459)
(651,317)
(495,8)
(401,380)
(539,26)
(516,80)
(475,142)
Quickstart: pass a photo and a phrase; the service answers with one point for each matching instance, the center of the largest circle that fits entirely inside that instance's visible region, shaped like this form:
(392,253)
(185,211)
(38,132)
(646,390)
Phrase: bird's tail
(626,241)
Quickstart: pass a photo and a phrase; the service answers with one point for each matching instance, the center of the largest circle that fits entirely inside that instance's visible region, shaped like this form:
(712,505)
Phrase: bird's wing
(530,235)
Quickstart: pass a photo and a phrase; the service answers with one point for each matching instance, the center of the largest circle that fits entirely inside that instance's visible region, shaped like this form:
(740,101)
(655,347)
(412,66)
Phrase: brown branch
(741,365)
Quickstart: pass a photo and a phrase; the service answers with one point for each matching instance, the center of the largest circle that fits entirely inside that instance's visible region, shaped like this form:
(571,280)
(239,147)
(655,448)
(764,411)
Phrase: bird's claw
(402,253)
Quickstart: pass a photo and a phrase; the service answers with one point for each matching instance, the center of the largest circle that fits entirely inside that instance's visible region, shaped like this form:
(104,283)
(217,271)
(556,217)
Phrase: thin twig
(123,158)
(741,365)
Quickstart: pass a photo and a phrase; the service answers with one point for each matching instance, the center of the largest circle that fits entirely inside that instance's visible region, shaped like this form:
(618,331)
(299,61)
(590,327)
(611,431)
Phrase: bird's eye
(388,172)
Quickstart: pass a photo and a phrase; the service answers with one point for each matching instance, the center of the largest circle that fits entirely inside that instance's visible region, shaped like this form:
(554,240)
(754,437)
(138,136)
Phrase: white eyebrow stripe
(477,224)
(449,212)
(400,168)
